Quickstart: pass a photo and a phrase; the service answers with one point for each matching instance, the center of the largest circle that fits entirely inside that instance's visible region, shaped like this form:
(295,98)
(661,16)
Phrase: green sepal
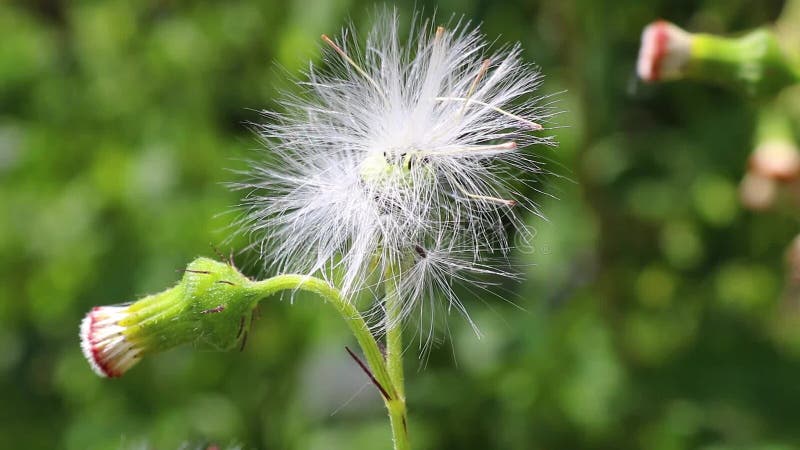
(212,305)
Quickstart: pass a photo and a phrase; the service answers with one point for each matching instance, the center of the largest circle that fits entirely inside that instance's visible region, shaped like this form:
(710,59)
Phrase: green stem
(394,363)
(387,372)
(754,62)
(348,312)
(397,417)
(786,26)
(773,124)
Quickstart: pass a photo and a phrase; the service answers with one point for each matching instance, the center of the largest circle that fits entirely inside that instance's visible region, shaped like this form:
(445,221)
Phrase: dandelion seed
(398,163)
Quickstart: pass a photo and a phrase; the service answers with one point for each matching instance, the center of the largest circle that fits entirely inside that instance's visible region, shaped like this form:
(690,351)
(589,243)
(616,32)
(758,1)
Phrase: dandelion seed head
(399,162)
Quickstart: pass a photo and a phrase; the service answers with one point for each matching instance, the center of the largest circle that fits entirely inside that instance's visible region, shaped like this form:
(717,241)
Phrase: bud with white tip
(211,305)
(776,160)
(104,344)
(665,52)
(754,62)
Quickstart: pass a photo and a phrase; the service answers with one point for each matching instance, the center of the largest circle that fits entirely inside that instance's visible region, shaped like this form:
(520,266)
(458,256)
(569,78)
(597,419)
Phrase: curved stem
(348,312)
(387,372)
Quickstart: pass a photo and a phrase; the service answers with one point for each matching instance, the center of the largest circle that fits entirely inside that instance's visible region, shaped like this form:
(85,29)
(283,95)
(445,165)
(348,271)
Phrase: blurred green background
(652,313)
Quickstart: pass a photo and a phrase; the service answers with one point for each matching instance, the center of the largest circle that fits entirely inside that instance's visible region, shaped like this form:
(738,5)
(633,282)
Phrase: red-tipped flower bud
(776,160)
(664,53)
(757,192)
(104,344)
(211,305)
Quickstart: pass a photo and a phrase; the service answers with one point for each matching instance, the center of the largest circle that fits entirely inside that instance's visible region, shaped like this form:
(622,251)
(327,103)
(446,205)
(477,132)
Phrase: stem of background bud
(394,363)
(754,62)
(786,26)
(773,124)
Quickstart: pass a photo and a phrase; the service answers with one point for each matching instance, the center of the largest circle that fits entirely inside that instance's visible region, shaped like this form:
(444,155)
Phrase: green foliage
(651,313)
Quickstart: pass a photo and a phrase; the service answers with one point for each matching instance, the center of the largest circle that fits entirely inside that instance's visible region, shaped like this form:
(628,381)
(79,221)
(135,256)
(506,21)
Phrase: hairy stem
(349,313)
(388,372)
(394,365)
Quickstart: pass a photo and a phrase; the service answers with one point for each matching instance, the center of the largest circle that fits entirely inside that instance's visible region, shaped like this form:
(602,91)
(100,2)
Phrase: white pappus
(398,163)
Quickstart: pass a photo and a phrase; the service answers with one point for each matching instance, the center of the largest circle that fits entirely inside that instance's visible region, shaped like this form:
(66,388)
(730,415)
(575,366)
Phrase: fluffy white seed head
(401,162)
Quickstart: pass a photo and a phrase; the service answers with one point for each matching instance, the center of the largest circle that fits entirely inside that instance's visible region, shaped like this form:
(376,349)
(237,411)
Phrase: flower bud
(211,305)
(754,62)
(776,160)
(664,52)
(757,193)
